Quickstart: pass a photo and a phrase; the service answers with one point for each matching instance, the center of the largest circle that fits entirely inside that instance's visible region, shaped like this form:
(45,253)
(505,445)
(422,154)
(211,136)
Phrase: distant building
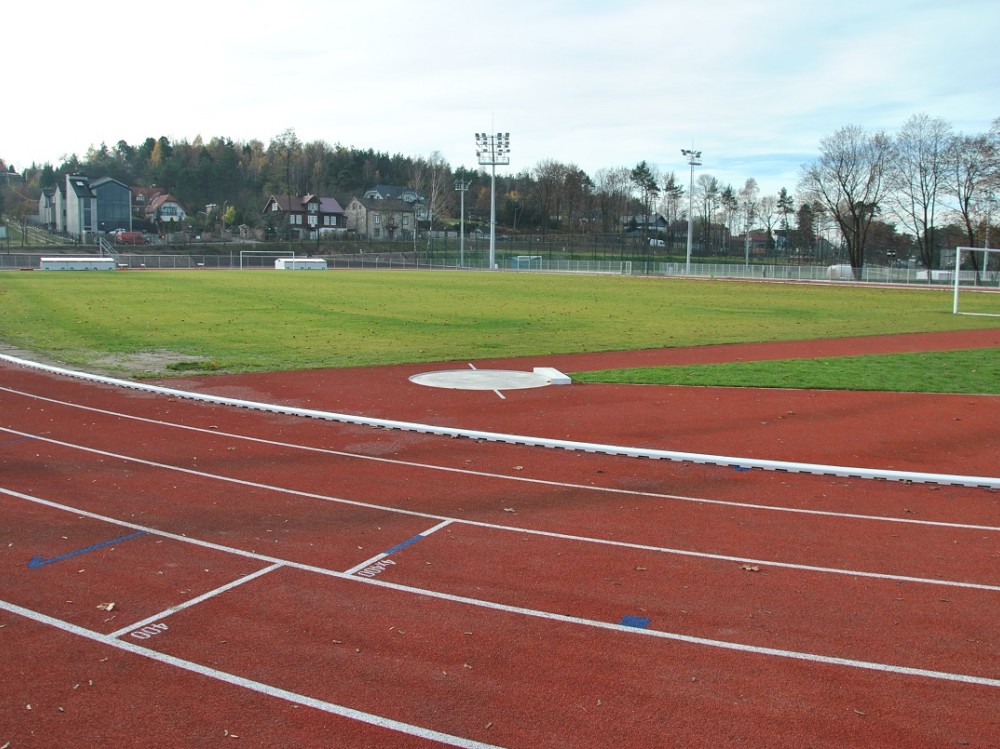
(164,208)
(397,192)
(114,205)
(381,218)
(76,208)
(47,208)
(81,208)
(307,216)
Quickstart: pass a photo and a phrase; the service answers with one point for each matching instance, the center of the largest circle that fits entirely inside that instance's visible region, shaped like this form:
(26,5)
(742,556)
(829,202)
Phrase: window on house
(377,219)
(375,232)
(406,220)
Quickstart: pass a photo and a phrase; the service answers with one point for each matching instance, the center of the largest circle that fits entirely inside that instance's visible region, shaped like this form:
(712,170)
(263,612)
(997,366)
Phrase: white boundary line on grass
(984,482)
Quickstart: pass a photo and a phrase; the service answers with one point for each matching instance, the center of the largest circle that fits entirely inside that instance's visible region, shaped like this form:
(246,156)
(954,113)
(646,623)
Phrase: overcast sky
(753,84)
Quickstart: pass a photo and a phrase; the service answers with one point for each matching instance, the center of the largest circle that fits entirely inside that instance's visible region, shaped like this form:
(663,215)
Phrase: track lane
(497,557)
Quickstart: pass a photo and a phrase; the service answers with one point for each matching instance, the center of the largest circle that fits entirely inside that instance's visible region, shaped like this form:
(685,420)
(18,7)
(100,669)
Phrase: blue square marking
(639,622)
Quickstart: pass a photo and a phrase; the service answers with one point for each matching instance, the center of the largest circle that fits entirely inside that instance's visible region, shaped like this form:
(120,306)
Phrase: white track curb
(983,482)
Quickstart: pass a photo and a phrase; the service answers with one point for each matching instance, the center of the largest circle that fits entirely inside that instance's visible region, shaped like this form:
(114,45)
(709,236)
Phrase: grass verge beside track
(972,372)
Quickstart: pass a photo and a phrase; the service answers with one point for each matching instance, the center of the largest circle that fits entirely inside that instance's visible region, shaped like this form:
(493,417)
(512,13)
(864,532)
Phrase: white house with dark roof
(76,208)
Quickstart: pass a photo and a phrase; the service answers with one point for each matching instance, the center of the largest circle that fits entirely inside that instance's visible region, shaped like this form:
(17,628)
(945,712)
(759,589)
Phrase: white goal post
(264,253)
(985,279)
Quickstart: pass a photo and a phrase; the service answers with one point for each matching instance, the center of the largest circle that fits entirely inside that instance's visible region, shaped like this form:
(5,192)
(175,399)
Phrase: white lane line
(250,684)
(506,477)
(535,613)
(198,599)
(379,557)
(784,466)
(507,528)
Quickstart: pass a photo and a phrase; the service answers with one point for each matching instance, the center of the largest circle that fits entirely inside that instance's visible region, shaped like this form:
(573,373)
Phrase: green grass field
(262,320)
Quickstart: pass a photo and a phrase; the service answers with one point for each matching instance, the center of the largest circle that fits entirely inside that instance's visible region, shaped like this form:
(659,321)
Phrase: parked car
(131,237)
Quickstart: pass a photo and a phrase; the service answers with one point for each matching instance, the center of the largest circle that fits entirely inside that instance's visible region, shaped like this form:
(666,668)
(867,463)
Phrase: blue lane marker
(36,561)
(403,545)
(639,622)
(15,441)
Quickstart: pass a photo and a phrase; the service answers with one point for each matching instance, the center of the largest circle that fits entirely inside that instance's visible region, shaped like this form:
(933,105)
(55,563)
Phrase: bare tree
(972,182)
(767,217)
(918,173)
(729,207)
(612,196)
(432,177)
(850,181)
(708,190)
(550,177)
(670,202)
(748,198)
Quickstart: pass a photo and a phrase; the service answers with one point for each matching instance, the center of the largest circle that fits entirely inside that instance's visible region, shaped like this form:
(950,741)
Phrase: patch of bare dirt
(157,363)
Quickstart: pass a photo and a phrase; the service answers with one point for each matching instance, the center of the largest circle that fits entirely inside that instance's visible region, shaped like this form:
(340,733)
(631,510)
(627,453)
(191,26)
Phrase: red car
(131,237)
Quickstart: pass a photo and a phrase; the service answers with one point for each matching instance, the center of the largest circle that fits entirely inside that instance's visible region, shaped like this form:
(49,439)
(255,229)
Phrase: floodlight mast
(694,160)
(493,149)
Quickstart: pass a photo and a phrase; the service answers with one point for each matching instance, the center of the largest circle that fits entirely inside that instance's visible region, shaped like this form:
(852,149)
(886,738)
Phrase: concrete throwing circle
(481,379)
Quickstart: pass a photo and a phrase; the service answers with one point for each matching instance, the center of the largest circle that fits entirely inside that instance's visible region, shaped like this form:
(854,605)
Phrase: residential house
(397,192)
(76,208)
(308,216)
(164,208)
(114,204)
(47,208)
(141,197)
(381,218)
(654,222)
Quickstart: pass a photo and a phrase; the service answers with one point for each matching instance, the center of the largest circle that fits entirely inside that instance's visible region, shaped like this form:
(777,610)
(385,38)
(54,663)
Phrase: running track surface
(182,574)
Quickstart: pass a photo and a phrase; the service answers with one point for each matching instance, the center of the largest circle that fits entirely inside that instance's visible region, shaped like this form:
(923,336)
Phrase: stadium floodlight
(461,185)
(492,150)
(694,160)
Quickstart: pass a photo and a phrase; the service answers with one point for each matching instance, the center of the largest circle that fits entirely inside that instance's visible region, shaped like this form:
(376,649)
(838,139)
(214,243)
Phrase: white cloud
(753,84)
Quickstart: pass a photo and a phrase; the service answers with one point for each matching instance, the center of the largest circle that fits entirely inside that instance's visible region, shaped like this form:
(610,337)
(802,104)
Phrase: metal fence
(413,260)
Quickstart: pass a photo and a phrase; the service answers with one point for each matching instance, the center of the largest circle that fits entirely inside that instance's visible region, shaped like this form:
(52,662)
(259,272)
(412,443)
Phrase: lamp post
(693,159)
(493,149)
(461,185)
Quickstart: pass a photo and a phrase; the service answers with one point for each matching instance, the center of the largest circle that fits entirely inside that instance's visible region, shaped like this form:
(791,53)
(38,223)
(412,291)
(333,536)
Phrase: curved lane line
(501,476)
(983,482)
(497,526)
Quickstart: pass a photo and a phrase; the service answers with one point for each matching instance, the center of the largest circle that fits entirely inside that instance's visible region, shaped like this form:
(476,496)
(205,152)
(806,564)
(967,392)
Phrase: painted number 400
(148,631)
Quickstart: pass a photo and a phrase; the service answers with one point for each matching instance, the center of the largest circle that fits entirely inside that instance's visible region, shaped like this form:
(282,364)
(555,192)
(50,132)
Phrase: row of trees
(909,194)
(937,184)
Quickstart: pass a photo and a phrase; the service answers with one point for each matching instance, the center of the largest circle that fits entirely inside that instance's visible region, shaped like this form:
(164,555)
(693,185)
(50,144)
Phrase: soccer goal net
(526,262)
(977,281)
(262,258)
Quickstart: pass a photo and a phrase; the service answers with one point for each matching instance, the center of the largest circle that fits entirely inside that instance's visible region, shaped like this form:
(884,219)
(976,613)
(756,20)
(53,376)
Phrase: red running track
(283,582)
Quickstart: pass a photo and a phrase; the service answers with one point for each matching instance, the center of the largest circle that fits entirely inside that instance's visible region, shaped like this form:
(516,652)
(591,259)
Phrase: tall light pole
(493,149)
(461,185)
(694,160)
